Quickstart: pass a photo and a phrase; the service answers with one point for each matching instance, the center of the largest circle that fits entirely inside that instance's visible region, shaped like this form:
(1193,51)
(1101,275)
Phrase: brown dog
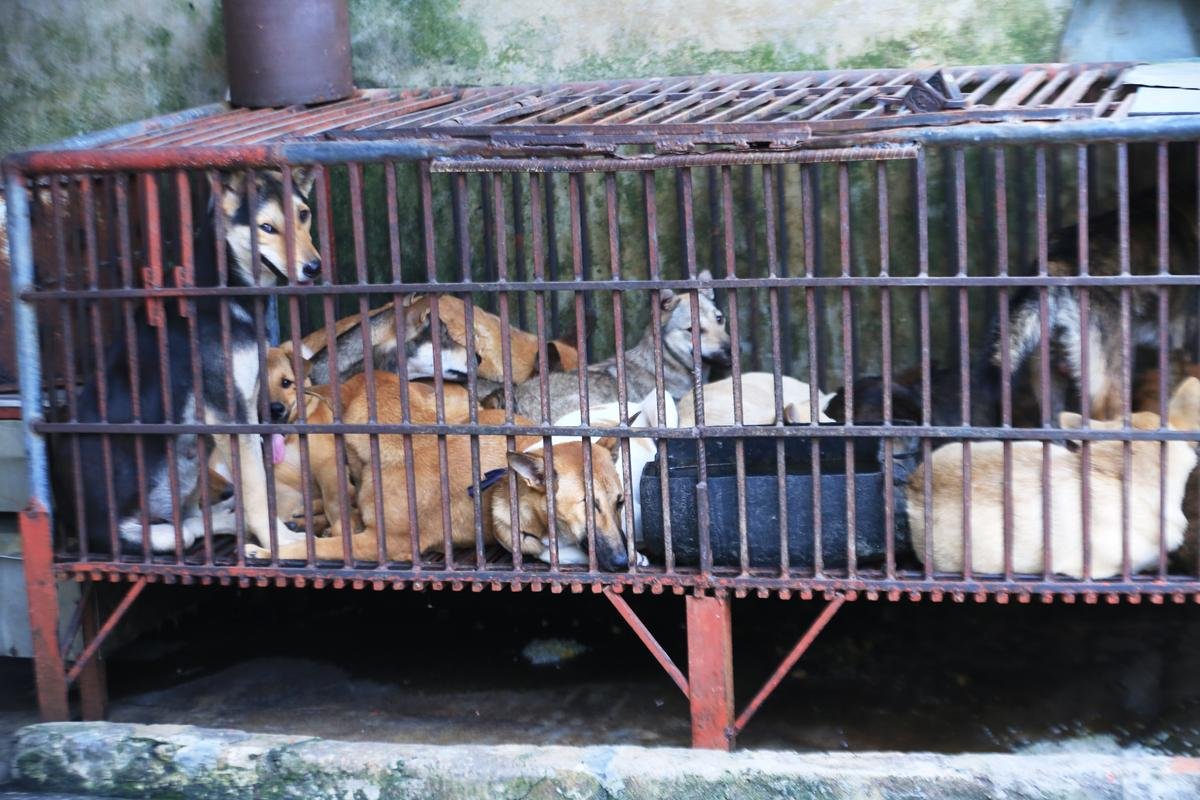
(494,457)
(452,314)
(570,505)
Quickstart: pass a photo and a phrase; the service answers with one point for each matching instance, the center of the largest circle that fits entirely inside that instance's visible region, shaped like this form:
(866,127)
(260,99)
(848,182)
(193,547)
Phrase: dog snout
(720,357)
(278,411)
(312,269)
(611,557)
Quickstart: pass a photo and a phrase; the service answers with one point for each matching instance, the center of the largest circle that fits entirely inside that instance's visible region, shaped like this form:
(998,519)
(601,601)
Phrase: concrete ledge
(177,761)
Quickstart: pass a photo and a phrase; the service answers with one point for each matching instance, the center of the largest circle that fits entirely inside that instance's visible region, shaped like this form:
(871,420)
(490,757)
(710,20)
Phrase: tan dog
(758,401)
(570,505)
(1066,535)
(452,314)
(494,456)
(284,392)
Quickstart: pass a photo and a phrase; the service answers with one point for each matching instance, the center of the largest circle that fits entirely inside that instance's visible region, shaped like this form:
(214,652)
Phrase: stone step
(155,761)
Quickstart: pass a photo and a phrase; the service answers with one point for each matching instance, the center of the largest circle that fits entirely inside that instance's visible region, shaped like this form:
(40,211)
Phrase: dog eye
(285,383)
(620,500)
(303,215)
(267,227)
(720,318)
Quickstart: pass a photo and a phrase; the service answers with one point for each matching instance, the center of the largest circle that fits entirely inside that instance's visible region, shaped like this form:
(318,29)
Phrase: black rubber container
(762,501)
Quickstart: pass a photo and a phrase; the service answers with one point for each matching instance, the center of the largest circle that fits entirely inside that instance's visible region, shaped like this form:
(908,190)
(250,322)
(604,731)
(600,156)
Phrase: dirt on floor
(564,669)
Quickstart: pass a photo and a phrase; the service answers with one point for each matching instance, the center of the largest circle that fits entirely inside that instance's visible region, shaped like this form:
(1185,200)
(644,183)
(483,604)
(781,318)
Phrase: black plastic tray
(762,500)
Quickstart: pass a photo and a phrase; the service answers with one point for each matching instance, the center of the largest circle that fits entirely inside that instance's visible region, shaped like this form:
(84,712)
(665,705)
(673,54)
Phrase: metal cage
(870,231)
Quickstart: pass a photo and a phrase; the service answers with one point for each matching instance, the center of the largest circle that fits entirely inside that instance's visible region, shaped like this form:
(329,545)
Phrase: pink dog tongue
(277,448)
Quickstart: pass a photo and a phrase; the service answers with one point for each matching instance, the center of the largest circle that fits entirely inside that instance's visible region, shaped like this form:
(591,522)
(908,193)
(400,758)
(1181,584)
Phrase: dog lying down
(1066,538)
(495,459)
(642,449)
(758,402)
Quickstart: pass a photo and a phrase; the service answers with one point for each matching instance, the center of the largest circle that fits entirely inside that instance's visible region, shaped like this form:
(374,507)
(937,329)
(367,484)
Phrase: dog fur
(758,402)
(1066,535)
(263,225)
(570,504)
(642,449)
(493,451)
(676,335)
(452,314)
(1107,362)
(418,343)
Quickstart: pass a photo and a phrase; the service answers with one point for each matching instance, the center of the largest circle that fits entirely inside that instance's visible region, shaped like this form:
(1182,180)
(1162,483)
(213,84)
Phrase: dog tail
(1024,330)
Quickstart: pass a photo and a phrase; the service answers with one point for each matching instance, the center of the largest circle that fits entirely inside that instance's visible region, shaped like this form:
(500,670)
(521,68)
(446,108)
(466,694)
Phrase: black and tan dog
(175,459)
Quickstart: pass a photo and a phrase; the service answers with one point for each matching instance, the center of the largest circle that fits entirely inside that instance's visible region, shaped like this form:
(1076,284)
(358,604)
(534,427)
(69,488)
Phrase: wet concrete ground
(537,668)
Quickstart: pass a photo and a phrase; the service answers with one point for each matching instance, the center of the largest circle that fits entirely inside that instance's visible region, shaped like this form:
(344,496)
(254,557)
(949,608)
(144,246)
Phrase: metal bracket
(643,633)
(93,646)
(789,661)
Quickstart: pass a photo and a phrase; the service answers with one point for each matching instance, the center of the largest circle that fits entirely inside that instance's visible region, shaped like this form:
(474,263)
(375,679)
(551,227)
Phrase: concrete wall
(70,66)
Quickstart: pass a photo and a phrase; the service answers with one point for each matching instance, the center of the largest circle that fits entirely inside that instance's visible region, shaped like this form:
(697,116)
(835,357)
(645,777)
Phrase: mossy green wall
(70,66)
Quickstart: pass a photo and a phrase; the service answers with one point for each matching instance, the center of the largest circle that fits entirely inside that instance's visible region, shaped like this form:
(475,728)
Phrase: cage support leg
(710,671)
(93,678)
(42,593)
(789,661)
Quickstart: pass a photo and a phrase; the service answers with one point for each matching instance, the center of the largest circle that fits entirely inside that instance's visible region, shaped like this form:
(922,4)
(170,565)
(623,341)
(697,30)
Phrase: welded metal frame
(496,132)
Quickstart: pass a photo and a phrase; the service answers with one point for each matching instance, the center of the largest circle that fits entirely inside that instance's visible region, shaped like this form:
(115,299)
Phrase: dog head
(283,388)
(570,499)
(677,325)
(265,224)
(418,340)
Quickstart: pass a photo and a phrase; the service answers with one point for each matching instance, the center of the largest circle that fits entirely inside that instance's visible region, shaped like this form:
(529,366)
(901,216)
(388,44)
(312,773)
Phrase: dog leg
(567,554)
(162,534)
(253,495)
(364,547)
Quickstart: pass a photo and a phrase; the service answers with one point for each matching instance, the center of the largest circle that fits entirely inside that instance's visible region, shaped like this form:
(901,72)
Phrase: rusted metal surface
(789,661)
(647,638)
(831,207)
(41,588)
(93,678)
(710,672)
(281,53)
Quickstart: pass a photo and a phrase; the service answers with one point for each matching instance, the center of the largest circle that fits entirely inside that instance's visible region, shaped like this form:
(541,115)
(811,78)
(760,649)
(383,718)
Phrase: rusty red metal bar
(97,639)
(789,661)
(647,638)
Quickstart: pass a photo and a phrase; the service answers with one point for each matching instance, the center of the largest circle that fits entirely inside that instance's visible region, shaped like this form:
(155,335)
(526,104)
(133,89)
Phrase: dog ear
(233,191)
(303,179)
(563,357)
(667,300)
(1184,411)
(609,443)
(529,469)
(707,291)
(234,182)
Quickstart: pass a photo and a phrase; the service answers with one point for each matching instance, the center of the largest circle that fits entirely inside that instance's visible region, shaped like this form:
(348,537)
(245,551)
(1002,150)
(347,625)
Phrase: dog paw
(254,551)
(641,560)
